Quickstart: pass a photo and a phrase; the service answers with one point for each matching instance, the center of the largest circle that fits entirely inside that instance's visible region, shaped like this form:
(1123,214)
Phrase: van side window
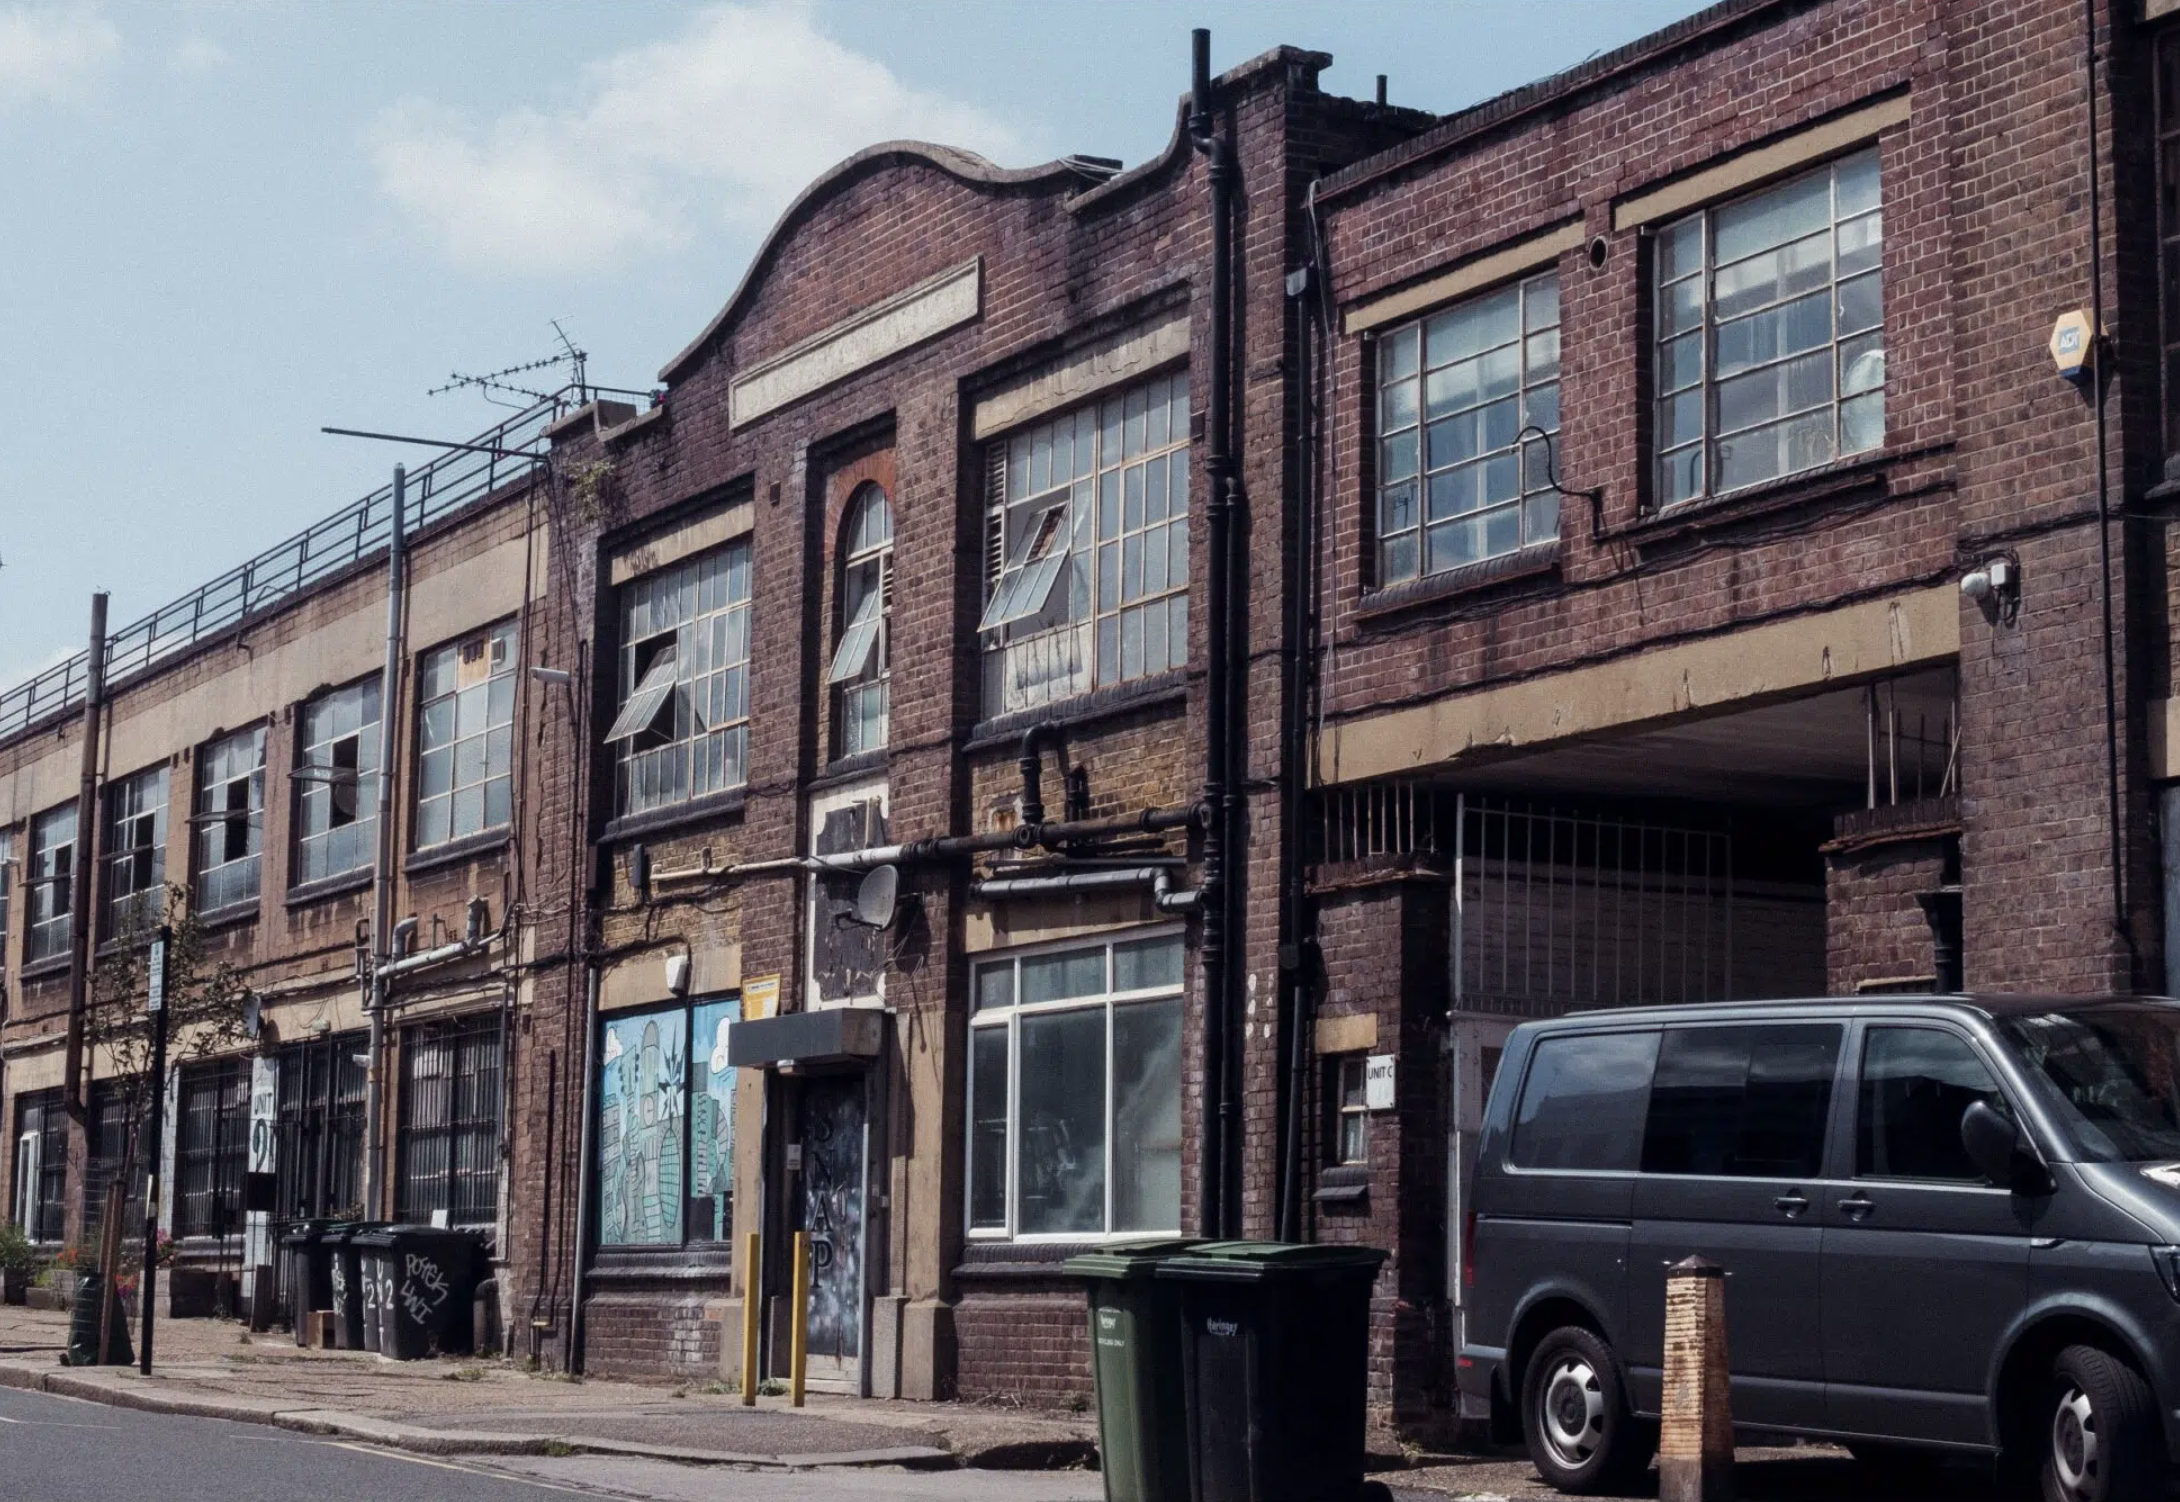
(1582,1103)
(1747,1102)
(1916,1082)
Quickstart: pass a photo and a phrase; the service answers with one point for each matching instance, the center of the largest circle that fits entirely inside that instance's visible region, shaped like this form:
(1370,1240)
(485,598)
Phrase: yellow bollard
(752,1309)
(799,1346)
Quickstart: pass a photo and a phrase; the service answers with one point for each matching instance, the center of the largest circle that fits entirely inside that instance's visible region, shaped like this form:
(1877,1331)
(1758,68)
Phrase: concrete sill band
(121,1389)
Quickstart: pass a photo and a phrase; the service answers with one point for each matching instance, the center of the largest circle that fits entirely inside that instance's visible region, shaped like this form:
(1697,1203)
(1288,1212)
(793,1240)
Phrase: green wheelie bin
(1275,1341)
(1135,1355)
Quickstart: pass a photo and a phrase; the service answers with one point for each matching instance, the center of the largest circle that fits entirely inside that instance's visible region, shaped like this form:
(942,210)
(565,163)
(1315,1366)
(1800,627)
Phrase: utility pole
(155,973)
(83,855)
(382,880)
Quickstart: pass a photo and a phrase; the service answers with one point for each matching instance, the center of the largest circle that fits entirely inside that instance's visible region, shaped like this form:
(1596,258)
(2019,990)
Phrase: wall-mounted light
(1996,586)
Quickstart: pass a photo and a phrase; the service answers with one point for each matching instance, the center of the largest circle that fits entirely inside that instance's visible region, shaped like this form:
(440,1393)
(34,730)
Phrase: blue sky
(230,221)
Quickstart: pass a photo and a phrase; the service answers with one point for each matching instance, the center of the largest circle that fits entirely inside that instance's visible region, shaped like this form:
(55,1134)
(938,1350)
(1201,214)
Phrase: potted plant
(18,1262)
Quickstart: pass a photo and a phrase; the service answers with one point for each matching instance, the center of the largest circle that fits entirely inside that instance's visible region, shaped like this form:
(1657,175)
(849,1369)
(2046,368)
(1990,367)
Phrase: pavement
(452,1406)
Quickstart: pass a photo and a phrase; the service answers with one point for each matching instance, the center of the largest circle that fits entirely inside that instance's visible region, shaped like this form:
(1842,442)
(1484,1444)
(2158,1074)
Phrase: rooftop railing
(440,488)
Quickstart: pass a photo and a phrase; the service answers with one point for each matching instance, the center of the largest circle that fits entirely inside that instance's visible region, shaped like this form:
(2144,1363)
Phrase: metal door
(1478,1043)
(834,1122)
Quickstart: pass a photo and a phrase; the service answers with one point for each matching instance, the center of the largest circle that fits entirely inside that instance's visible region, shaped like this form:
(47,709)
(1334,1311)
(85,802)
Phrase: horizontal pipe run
(1158,878)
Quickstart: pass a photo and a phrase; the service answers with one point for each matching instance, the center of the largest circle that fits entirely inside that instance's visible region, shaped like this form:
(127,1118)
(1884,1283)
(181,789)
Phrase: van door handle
(1857,1206)
(1793,1203)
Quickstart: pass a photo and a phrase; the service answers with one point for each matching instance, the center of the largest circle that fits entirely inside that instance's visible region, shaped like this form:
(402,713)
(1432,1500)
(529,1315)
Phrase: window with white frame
(682,730)
(230,820)
(1771,337)
(1087,549)
(1075,1091)
(7,891)
(465,737)
(1468,408)
(51,880)
(336,782)
(135,854)
(1350,1124)
(861,674)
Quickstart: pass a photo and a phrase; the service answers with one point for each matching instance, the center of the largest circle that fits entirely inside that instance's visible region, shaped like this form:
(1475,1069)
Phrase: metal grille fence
(450,1121)
(1555,910)
(210,1157)
(318,1152)
(447,484)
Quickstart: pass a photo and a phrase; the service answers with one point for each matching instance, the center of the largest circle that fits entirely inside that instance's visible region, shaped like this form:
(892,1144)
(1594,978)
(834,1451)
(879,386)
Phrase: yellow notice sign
(760,998)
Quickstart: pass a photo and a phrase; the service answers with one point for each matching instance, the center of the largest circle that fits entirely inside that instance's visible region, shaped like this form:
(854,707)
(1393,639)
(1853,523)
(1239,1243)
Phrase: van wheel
(2100,1440)
(1574,1414)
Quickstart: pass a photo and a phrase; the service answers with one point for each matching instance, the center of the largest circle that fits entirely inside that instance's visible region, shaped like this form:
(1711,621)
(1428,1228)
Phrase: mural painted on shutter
(640,1103)
(711,1123)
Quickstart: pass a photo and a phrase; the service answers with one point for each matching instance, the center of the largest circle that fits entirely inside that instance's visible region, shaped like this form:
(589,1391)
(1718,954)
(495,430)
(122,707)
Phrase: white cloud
(718,127)
(197,56)
(54,53)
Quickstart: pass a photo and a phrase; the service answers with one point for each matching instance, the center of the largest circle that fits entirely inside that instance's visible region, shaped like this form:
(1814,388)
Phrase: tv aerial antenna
(567,357)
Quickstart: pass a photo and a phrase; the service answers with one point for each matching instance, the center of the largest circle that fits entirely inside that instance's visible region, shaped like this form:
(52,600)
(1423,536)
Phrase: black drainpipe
(1218,1123)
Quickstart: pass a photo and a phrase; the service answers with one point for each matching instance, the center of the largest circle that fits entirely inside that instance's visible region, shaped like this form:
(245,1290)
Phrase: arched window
(862,664)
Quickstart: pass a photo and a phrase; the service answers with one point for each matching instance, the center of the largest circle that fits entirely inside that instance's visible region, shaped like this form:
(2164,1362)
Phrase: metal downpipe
(382,875)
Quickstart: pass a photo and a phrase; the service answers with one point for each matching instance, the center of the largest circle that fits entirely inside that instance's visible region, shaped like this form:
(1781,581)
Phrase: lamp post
(156,1004)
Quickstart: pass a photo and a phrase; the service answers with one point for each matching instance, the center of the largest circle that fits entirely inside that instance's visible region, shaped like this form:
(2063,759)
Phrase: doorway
(834,1123)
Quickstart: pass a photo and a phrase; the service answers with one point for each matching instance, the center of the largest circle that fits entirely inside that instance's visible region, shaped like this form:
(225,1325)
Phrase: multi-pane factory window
(861,674)
(115,1140)
(135,857)
(51,879)
(209,1155)
(1468,407)
(318,1153)
(230,820)
(40,1182)
(683,726)
(1771,337)
(336,782)
(465,737)
(449,1148)
(1086,568)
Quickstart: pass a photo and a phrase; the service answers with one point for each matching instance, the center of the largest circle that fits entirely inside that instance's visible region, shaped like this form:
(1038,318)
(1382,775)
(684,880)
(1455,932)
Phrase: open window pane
(1028,585)
(644,704)
(858,641)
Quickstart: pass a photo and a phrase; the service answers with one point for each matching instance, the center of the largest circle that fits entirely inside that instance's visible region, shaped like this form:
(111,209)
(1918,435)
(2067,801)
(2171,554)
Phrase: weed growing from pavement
(559,1448)
(466,1374)
(772,1387)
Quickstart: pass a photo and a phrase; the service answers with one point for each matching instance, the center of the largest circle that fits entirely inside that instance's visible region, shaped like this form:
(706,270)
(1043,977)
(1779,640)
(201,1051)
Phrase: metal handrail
(445,485)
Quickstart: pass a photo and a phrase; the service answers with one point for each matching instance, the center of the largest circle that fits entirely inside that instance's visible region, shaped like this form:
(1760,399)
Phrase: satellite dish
(877,896)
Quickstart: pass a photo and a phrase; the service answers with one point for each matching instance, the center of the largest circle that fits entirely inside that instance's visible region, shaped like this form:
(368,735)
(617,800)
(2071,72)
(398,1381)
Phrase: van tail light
(1468,1253)
(2167,1259)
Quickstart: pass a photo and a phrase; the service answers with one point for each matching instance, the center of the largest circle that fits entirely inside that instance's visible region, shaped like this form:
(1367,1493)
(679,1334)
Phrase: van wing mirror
(1997,1146)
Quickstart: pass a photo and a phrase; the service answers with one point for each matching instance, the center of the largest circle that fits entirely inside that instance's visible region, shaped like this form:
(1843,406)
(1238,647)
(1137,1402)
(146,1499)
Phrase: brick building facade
(1609,459)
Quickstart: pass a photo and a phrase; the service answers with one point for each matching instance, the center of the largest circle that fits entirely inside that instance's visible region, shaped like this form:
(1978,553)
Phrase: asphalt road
(63,1450)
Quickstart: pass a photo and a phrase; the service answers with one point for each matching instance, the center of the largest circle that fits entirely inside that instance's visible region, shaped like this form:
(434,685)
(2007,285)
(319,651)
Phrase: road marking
(447,1465)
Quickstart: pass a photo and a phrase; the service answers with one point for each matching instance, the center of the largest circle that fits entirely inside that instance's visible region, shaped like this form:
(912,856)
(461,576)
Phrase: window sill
(1343,1184)
(705,1261)
(234,915)
(1532,562)
(1005,1261)
(1809,487)
(455,852)
(695,811)
(1169,687)
(327,887)
(848,768)
(40,969)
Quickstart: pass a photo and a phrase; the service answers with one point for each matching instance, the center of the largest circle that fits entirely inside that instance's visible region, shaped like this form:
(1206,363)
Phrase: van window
(1582,1103)
(1742,1101)
(1916,1083)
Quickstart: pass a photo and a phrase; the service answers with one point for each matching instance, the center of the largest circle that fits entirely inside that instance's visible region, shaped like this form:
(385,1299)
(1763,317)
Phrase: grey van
(1948,1223)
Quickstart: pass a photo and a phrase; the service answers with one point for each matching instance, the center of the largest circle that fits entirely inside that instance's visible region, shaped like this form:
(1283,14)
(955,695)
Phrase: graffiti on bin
(423,1287)
(340,1283)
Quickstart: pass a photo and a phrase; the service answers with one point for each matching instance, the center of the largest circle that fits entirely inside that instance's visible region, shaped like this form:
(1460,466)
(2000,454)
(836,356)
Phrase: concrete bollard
(1695,1439)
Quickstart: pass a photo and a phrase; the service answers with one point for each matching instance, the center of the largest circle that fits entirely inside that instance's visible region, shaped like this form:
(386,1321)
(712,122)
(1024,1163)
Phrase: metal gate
(1554,910)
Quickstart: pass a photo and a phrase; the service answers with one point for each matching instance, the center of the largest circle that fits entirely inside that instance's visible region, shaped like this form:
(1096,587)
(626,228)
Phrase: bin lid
(1249,1261)
(1126,1259)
